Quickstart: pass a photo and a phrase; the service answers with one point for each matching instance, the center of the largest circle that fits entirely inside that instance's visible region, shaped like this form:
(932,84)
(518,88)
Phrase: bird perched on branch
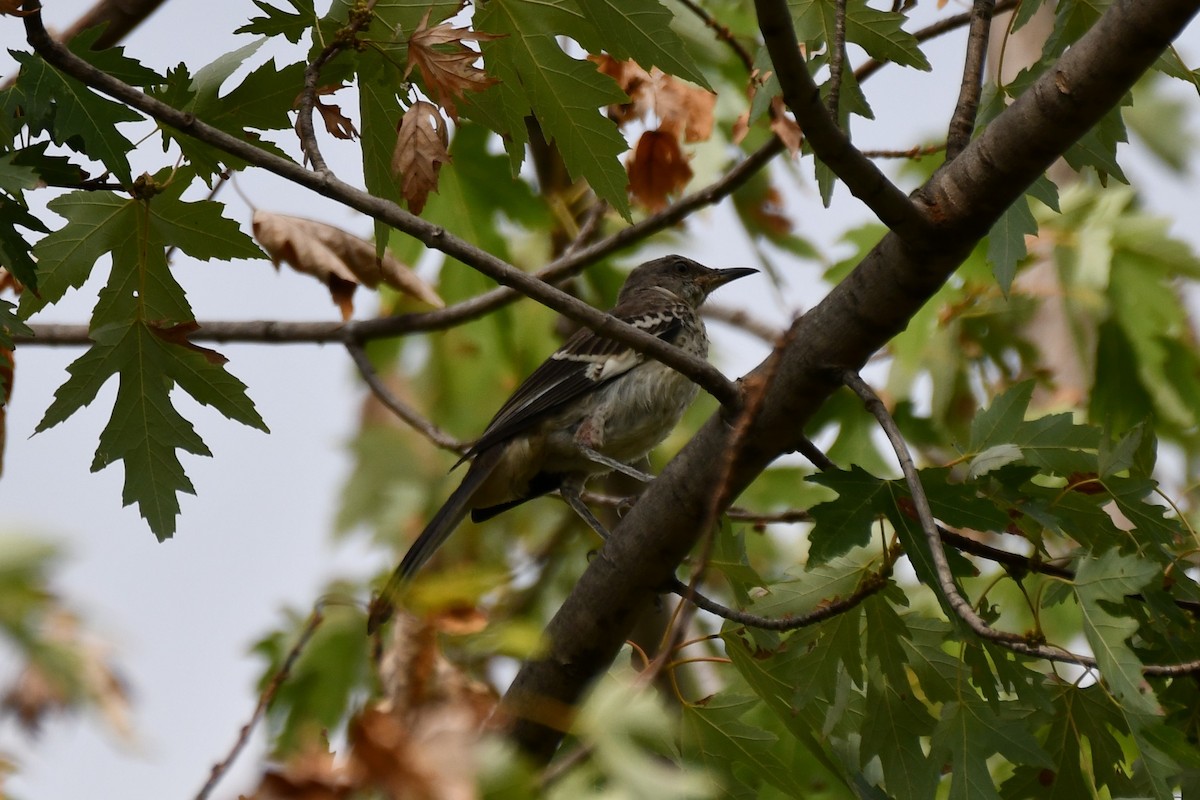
(594,406)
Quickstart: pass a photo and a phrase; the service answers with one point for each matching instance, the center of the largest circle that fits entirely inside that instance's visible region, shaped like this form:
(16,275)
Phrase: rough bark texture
(858,317)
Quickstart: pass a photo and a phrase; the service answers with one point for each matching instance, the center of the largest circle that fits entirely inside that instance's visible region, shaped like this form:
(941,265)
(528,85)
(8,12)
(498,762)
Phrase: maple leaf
(682,109)
(336,258)
(657,168)
(420,152)
(446,63)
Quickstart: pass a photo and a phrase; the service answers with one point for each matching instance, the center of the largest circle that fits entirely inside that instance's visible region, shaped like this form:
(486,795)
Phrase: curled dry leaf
(446,63)
(336,258)
(418,743)
(785,127)
(420,152)
(681,109)
(657,169)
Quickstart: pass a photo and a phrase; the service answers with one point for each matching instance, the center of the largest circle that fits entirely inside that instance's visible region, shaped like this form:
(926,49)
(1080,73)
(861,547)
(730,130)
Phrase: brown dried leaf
(681,108)
(446,63)
(336,258)
(338,124)
(178,335)
(311,774)
(657,169)
(420,152)
(785,127)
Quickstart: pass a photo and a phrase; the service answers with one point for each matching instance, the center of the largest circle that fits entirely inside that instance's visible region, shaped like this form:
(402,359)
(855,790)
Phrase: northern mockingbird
(594,406)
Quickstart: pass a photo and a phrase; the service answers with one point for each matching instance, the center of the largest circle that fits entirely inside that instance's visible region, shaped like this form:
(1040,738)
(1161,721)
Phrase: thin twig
(310,627)
(398,407)
(837,60)
(828,141)
(869,68)
(742,320)
(949,587)
(962,123)
(723,33)
(914,153)
(359,19)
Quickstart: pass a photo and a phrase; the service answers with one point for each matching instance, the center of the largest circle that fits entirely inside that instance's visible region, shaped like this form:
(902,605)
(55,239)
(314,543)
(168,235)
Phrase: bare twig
(723,33)
(741,319)
(310,627)
(837,60)
(828,141)
(914,153)
(962,123)
(398,407)
(949,587)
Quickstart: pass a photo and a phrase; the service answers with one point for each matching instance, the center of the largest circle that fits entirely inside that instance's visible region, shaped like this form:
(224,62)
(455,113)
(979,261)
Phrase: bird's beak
(719,277)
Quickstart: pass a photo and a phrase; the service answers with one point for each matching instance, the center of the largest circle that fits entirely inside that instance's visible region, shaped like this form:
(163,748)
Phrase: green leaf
(893,732)
(566,95)
(842,524)
(879,33)
(111,59)
(73,114)
(640,30)
(260,102)
(10,325)
(886,634)
(278,22)
(380,112)
(998,424)
(1101,585)
(1006,242)
(968,734)
(332,667)
(1084,742)
(15,245)
(140,326)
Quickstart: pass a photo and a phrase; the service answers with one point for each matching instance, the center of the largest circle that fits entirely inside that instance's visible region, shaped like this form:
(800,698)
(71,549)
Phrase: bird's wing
(585,362)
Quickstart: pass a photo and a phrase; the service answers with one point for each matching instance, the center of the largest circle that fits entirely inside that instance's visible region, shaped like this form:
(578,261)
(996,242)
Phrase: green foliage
(139,329)
(1038,444)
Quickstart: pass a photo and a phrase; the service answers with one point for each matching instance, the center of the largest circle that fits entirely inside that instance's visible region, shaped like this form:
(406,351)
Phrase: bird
(593,406)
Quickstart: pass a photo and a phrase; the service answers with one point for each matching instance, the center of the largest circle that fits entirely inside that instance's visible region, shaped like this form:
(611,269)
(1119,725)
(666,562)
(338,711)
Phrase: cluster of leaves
(890,697)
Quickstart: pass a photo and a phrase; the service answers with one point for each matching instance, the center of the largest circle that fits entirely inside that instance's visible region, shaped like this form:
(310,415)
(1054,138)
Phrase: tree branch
(698,370)
(828,141)
(962,123)
(855,319)
(869,68)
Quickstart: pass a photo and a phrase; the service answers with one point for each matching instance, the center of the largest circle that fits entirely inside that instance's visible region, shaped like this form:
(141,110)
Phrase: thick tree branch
(704,374)
(858,317)
(828,141)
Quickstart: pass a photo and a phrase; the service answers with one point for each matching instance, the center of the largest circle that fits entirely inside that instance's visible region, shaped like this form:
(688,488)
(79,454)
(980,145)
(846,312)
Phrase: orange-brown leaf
(657,169)
(682,109)
(785,127)
(177,334)
(420,152)
(446,63)
(336,258)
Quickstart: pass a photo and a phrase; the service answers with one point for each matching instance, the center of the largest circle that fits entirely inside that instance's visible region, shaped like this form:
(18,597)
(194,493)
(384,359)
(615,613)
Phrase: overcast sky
(181,615)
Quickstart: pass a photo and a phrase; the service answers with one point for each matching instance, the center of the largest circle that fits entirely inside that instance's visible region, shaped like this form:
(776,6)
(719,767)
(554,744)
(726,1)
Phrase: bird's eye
(681,267)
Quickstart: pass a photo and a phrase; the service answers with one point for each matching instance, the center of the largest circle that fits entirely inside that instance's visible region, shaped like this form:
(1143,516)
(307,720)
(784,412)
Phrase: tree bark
(860,315)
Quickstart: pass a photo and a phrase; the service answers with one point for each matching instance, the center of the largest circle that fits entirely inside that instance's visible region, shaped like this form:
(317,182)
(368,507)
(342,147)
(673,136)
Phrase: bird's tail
(439,528)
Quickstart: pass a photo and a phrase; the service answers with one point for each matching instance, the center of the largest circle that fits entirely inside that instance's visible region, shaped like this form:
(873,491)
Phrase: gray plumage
(592,394)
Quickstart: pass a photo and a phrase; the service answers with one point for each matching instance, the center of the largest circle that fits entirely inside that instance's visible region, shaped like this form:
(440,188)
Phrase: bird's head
(688,280)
